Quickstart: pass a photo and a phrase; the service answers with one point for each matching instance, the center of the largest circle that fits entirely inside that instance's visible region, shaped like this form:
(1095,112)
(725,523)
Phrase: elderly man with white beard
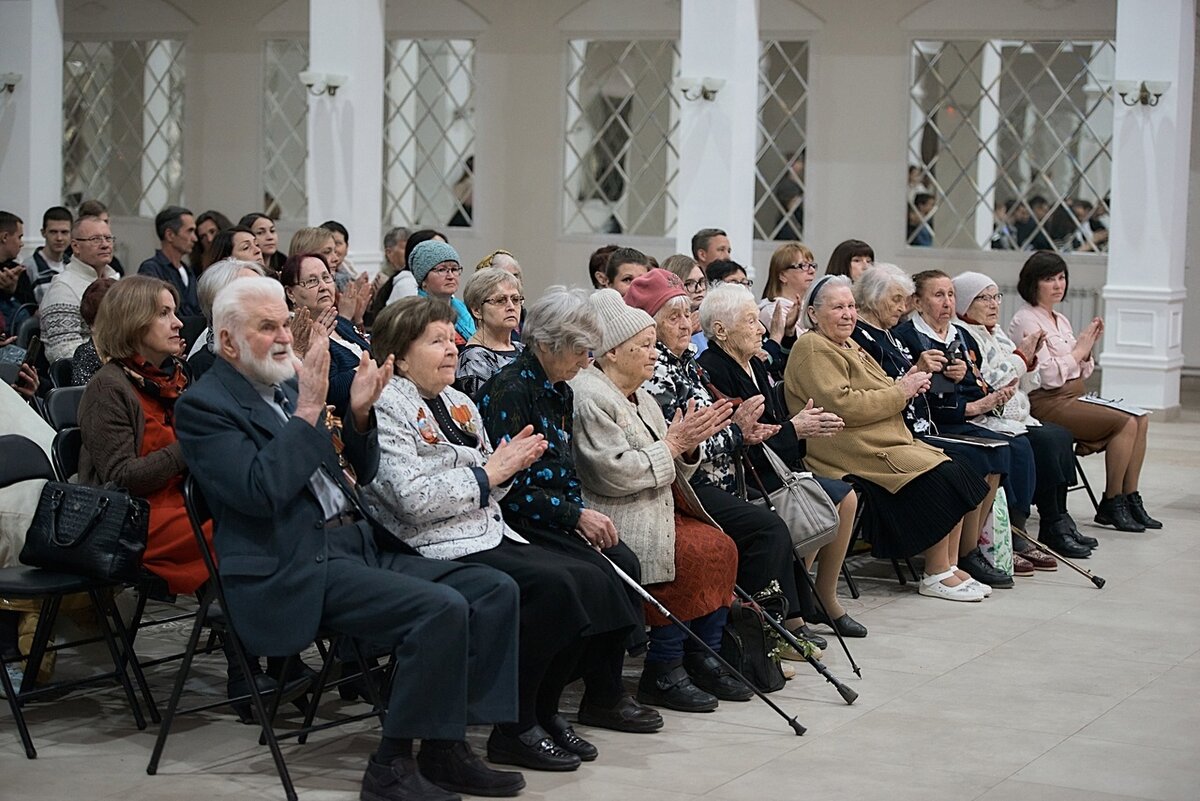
(298,552)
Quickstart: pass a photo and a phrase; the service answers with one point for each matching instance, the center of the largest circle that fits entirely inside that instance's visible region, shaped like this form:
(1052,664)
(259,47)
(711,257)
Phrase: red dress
(171,552)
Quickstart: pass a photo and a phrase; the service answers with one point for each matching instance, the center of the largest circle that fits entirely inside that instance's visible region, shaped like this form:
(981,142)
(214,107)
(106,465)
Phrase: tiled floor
(1053,691)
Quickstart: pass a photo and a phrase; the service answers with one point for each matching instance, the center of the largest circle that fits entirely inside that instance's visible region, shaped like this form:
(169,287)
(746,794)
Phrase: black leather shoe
(532,748)
(452,765)
(400,781)
(1074,533)
(710,675)
(668,684)
(848,626)
(626,715)
(1115,512)
(564,736)
(1057,538)
(978,568)
(1138,510)
(805,632)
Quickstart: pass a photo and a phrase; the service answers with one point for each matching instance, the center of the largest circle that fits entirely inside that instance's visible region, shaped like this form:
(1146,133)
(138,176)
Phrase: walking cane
(1099,582)
(650,599)
(848,693)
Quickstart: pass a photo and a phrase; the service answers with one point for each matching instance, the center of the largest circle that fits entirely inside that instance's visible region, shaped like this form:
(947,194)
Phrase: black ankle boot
(1074,533)
(1057,537)
(1115,512)
(452,765)
(710,675)
(668,684)
(1138,511)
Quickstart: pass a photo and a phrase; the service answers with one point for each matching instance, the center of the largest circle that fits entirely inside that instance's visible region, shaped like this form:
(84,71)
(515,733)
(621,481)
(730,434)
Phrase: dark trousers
(452,628)
(1054,452)
(669,643)
(763,542)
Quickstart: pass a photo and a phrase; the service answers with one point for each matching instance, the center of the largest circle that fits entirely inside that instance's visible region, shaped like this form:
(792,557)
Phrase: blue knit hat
(427,255)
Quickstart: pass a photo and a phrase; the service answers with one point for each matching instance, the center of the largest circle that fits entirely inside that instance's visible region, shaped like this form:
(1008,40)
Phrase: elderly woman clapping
(733,326)
(914,495)
(494,298)
(631,465)
(439,488)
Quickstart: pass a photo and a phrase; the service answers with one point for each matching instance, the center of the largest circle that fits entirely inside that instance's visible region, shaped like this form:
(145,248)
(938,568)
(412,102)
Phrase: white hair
(231,305)
(681,302)
(722,303)
(216,277)
(561,320)
(816,295)
(872,288)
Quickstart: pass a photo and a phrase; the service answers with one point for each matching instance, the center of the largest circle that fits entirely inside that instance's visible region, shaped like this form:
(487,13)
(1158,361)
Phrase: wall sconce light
(9,81)
(320,83)
(699,88)
(1146,93)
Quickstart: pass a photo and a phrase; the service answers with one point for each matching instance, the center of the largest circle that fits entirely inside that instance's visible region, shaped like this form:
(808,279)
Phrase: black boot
(400,780)
(710,675)
(452,765)
(1138,510)
(1057,537)
(1115,512)
(978,568)
(668,684)
(1077,535)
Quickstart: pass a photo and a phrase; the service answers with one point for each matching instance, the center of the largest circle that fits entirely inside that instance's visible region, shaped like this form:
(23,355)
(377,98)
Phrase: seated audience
(436,268)
(850,258)
(624,265)
(393,265)
(237,242)
(51,258)
(343,271)
(724,271)
(439,489)
(791,273)
(16,289)
(692,276)
(176,231)
(635,471)
(94,208)
(86,361)
(494,298)
(208,225)
(545,502)
(734,330)
(298,553)
(502,259)
(914,496)
(597,264)
(1064,363)
(263,228)
(215,278)
(405,283)
(63,329)
(709,245)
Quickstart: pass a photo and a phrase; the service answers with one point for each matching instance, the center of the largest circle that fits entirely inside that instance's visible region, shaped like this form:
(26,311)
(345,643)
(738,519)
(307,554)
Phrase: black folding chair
(64,452)
(61,373)
(1083,484)
(213,614)
(27,329)
(855,537)
(62,407)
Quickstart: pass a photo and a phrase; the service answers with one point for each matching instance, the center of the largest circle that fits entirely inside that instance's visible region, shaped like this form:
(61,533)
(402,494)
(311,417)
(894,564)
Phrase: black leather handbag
(88,531)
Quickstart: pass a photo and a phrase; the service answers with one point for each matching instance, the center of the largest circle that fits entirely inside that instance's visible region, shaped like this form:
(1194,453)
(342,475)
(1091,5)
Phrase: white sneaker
(933,587)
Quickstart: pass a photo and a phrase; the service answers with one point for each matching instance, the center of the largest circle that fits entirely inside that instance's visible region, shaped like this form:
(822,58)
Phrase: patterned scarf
(164,384)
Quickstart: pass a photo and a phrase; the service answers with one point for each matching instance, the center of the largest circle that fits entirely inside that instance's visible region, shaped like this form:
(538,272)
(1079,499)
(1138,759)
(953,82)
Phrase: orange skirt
(705,572)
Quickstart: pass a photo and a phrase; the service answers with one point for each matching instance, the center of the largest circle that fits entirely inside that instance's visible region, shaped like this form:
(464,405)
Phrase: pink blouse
(1055,363)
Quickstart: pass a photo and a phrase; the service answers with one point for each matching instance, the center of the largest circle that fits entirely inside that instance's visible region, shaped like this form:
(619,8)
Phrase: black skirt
(981,461)
(924,511)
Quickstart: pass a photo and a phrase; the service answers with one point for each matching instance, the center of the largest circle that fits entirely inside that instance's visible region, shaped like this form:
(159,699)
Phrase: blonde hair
(309,240)
(784,257)
(125,314)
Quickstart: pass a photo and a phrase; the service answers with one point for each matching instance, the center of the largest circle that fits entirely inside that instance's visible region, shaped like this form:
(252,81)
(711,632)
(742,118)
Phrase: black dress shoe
(710,675)
(978,568)
(848,626)
(564,736)
(1057,538)
(1115,512)
(400,780)
(626,715)
(668,684)
(452,765)
(1074,533)
(532,748)
(805,632)
(1138,510)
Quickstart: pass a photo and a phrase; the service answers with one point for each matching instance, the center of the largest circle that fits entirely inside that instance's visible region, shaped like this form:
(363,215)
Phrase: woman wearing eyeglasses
(436,268)
(309,287)
(493,296)
(792,270)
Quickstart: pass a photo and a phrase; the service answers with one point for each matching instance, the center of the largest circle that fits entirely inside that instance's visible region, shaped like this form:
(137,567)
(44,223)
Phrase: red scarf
(164,385)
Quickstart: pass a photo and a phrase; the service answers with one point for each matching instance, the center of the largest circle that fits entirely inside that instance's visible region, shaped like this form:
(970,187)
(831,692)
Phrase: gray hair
(721,304)
(681,302)
(229,308)
(873,286)
(561,320)
(394,237)
(816,295)
(483,283)
(501,260)
(216,277)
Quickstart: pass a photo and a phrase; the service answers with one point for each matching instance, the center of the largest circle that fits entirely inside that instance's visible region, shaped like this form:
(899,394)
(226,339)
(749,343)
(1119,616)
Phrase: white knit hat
(618,322)
(966,288)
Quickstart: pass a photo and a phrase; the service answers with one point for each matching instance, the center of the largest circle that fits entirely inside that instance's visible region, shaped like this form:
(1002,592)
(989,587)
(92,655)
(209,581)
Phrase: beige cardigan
(627,473)
(875,445)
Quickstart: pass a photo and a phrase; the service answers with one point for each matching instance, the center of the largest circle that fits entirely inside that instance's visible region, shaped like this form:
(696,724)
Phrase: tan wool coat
(875,445)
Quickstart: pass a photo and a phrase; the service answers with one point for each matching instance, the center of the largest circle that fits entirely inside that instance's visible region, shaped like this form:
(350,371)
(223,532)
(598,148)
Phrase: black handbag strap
(56,502)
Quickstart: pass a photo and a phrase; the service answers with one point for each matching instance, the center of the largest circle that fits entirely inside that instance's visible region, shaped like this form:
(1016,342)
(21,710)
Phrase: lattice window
(622,137)
(123,124)
(1010,144)
(285,129)
(779,162)
(429,133)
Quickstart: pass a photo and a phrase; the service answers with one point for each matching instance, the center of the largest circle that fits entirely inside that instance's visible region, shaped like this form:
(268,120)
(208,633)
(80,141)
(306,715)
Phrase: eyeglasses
(451,270)
(991,298)
(807,266)
(746,282)
(504,300)
(315,281)
(98,239)
(694,286)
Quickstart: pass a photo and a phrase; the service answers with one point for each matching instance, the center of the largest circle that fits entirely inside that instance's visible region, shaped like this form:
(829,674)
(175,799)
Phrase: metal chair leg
(115,653)
(14,704)
(177,692)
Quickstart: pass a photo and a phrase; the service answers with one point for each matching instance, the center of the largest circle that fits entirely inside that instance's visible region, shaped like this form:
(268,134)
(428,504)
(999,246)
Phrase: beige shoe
(789,672)
(786,651)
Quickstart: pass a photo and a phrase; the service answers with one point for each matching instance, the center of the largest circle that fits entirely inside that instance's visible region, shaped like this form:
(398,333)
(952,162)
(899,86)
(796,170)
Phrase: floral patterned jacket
(547,494)
(678,379)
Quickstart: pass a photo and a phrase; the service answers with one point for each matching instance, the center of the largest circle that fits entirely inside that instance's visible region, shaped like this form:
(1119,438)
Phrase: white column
(31,117)
(715,188)
(345,131)
(1142,357)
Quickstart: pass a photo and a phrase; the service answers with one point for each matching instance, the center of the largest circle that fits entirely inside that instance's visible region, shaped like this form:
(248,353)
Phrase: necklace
(478,339)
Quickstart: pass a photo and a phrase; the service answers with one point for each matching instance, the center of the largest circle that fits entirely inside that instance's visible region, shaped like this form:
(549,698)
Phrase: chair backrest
(61,373)
(62,407)
(64,452)
(27,328)
(198,514)
(23,460)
